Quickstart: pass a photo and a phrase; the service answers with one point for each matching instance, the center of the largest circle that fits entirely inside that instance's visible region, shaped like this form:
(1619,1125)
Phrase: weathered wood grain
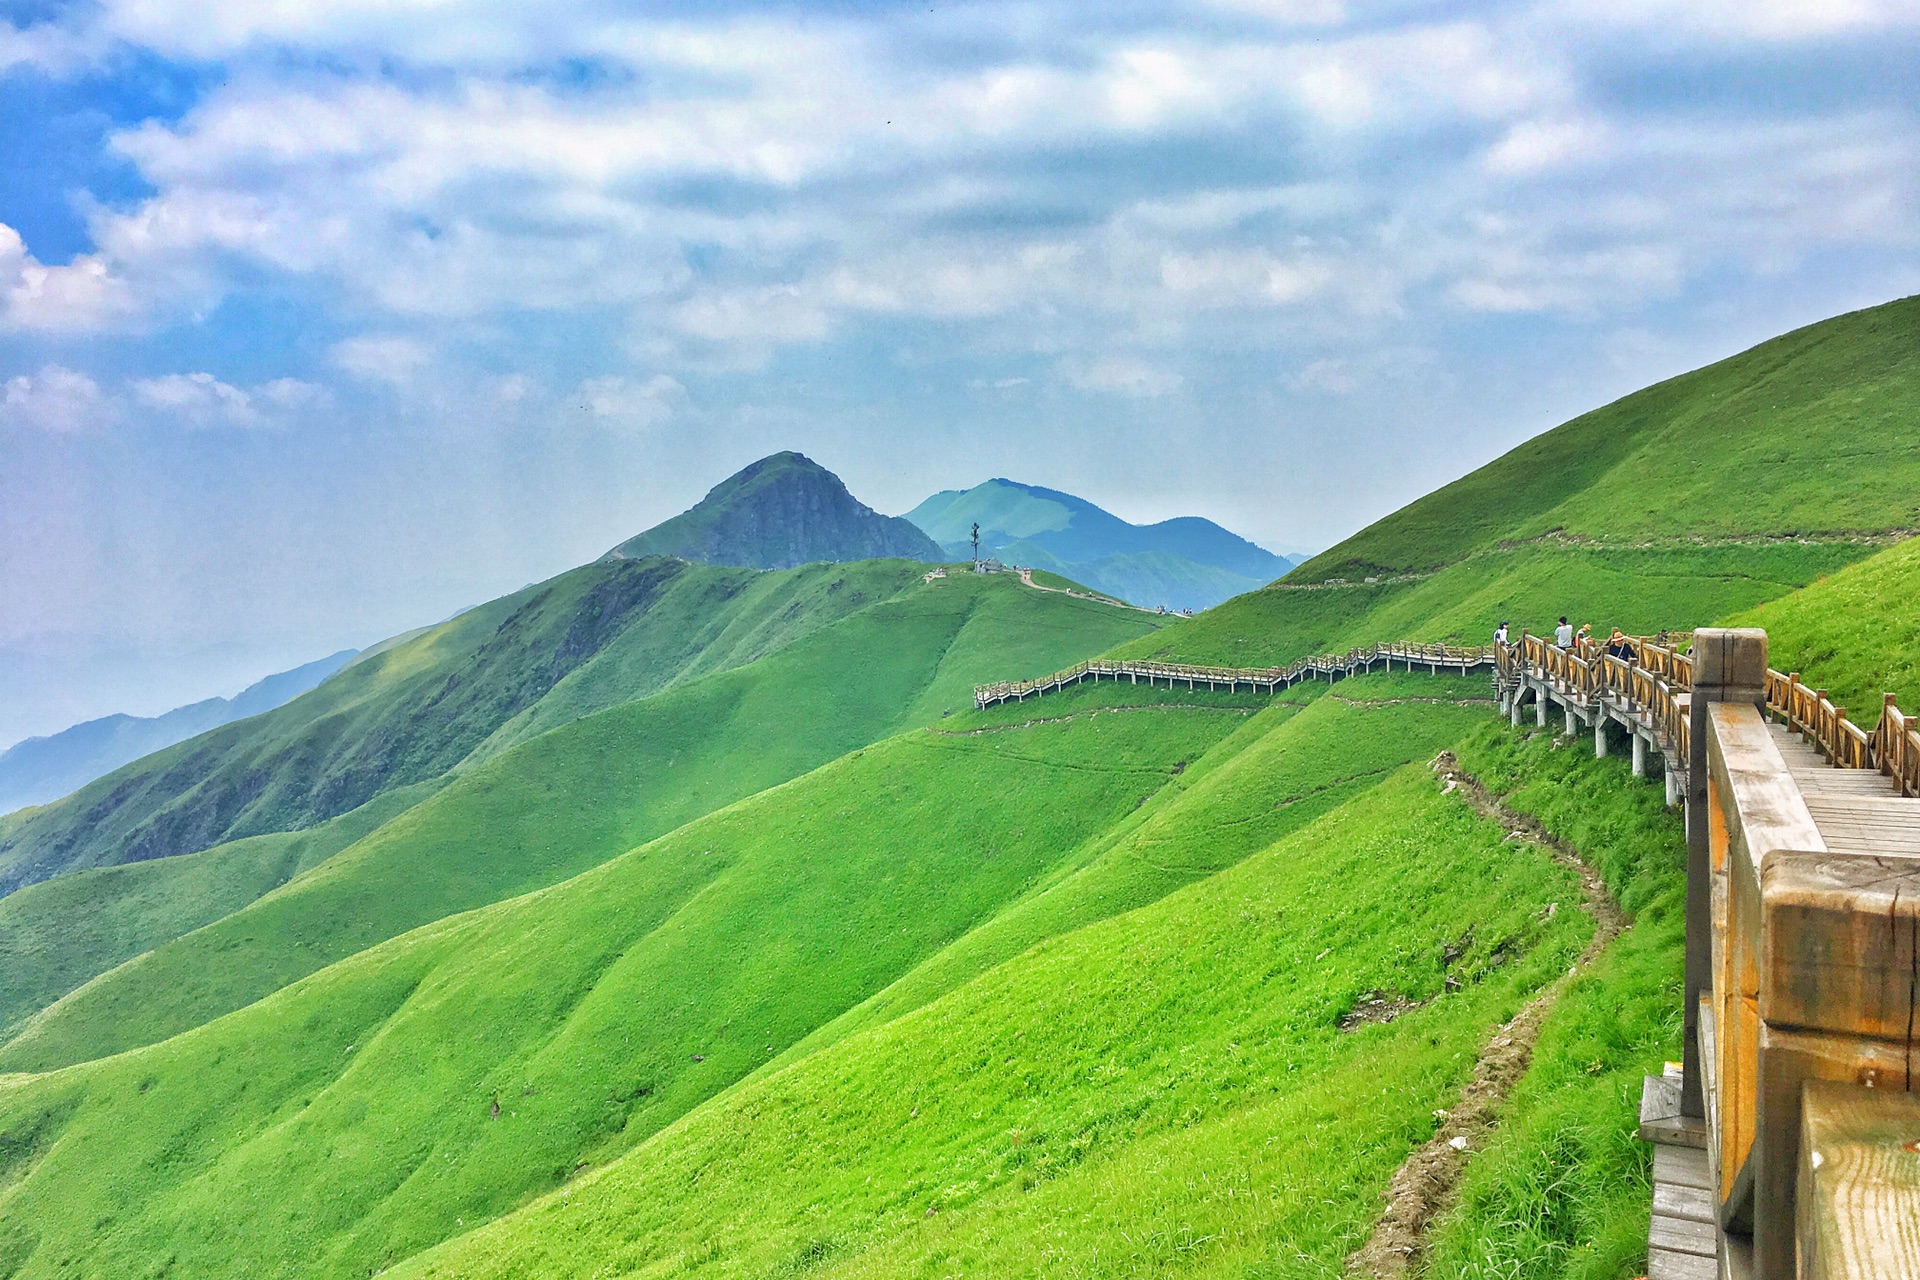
(1859,1201)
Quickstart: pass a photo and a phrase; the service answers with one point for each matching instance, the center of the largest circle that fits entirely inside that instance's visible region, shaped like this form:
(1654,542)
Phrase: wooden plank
(1684,1235)
(1665,1264)
(1867,825)
(1756,785)
(1859,1198)
(1693,1204)
(1660,1118)
(1839,947)
(1681,1167)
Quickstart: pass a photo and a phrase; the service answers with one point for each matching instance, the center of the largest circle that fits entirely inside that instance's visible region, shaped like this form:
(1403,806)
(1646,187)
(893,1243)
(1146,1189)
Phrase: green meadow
(538,813)
(662,920)
(408,712)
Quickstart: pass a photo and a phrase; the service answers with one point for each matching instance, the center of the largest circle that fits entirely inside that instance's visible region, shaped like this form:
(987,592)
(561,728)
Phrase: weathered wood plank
(1684,1235)
(1665,1264)
(1681,1167)
(1838,953)
(1859,1201)
(1694,1204)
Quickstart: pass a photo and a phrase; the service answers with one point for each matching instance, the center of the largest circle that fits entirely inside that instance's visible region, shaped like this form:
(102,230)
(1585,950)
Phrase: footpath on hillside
(1427,1183)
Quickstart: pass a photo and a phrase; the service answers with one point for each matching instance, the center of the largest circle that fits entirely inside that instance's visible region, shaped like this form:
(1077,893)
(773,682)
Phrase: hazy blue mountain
(1183,563)
(782,512)
(42,769)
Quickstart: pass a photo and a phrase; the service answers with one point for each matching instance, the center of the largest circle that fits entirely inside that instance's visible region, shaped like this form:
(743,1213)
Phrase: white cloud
(55,399)
(737,185)
(1123,376)
(1782,21)
(390,358)
(625,402)
(46,47)
(1331,376)
(1535,146)
(80,296)
(202,400)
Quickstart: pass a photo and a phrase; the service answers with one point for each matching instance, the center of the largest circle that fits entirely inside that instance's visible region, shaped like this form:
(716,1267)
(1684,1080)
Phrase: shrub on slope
(1163,1091)
(451,1073)
(569,799)
(412,711)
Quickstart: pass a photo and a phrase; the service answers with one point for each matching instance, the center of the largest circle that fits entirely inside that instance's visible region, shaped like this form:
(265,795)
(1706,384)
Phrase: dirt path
(1427,1183)
(1026,576)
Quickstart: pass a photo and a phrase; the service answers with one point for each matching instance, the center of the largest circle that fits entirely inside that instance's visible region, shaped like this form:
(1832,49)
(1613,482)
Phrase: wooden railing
(1802,1038)
(1435,657)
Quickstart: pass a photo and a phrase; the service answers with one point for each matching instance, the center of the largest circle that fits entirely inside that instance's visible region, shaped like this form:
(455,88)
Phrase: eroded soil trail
(1427,1183)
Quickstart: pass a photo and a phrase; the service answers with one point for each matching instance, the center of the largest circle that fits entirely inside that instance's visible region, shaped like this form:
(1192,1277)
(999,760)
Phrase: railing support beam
(1729,665)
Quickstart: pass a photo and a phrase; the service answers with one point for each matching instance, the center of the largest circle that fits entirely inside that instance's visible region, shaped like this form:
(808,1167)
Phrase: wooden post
(1837,1003)
(1859,1197)
(1729,665)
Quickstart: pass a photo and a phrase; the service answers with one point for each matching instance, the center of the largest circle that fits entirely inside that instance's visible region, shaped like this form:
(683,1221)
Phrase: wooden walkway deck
(1857,810)
(1682,1238)
(1803,901)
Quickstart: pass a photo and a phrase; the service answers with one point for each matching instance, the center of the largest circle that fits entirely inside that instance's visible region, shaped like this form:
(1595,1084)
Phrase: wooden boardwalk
(1431,659)
(1788,1143)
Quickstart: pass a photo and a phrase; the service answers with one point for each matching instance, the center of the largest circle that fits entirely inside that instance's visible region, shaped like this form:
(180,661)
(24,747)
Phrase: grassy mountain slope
(350,1119)
(783,511)
(574,797)
(1165,1090)
(41,770)
(1644,589)
(58,934)
(1298,758)
(415,710)
(1857,634)
(1563,1187)
(1705,495)
(1808,433)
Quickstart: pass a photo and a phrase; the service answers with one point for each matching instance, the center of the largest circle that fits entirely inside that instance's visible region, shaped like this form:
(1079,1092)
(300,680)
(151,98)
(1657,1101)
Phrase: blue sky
(320,321)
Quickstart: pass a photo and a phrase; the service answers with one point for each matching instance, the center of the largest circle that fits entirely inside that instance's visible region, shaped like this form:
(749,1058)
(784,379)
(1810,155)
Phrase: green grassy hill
(1705,495)
(595,1011)
(553,806)
(805,976)
(403,714)
(1857,634)
(59,933)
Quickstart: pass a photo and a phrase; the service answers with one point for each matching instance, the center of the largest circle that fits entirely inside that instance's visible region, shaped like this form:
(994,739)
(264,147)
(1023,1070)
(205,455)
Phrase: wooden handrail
(1802,960)
(1461,657)
(1650,680)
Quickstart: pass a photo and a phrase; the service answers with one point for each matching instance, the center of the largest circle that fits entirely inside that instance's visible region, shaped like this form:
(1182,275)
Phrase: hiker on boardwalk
(1500,634)
(1618,646)
(1563,634)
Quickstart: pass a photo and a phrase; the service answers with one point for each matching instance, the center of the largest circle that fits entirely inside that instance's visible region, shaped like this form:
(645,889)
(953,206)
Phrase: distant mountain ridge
(1184,563)
(781,512)
(38,770)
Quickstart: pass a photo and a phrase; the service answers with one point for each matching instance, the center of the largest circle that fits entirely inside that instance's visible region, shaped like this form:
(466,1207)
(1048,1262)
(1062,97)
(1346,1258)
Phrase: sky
(321,321)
